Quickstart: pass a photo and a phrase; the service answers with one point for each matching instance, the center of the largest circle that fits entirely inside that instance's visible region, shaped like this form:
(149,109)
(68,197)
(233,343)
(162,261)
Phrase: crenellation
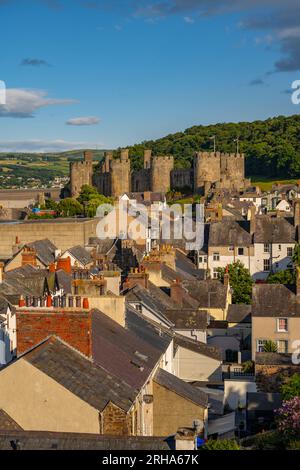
(115,177)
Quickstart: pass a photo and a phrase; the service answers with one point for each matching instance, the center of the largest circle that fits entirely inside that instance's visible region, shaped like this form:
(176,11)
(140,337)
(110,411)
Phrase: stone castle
(115,176)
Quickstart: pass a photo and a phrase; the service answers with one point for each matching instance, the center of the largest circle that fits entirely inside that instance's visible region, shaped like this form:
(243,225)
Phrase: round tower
(161,168)
(206,169)
(120,175)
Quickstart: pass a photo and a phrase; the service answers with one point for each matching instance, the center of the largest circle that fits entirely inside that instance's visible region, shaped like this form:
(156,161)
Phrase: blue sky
(112,73)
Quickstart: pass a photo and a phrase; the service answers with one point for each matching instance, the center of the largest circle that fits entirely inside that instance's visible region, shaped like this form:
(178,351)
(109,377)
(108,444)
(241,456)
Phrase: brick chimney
(297,213)
(29,256)
(64,264)
(226,278)
(177,292)
(137,276)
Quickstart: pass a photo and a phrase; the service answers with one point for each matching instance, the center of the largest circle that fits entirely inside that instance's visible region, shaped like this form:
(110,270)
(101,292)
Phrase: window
(215,273)
(240,251)
(216,256)
(260,344)
(290,252)
(282,324)
(267,265)
(202,259)
(279,247)
(277,265)
(138,307)
(282,346)
(231,248)
(267,248)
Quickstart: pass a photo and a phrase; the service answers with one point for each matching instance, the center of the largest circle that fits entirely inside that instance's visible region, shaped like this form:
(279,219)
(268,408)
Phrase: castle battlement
(115,177)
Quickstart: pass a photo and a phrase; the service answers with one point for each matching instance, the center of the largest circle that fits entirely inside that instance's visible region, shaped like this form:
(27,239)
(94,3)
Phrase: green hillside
(272,147)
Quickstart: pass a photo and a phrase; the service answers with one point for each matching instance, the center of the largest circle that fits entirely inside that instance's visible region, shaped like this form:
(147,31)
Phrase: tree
(286,277)
(296,256)
(291,388)
(270,347)
(240,281)
(87,193)
(221,444)
(70,207)
(288,418)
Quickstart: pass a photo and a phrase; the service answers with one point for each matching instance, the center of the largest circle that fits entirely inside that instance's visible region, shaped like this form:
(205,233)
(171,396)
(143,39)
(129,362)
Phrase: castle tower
(120,175)
(161,168)
(108,158)
(206,170)
(81,173)
(233,166)
(147,159)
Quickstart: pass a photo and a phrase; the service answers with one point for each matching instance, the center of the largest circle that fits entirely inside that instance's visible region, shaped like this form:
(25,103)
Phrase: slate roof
(45,250)
(261,401)
(198,347)
(39,440)
(121,352)
(26,280)
(7,423)
(181,388)
(81,254)
(273,359)
(188,318)
(274,300)
(238,313)
(153,298)
(210,293)
(4,304)
(154,335)
(79,375)
(230,232)
(274,230)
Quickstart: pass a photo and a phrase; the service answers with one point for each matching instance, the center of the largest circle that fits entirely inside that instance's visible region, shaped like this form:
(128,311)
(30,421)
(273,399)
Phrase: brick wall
(115,422)
(72,327)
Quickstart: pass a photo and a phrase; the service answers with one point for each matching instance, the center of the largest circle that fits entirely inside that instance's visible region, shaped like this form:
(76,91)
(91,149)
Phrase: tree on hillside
(240,281)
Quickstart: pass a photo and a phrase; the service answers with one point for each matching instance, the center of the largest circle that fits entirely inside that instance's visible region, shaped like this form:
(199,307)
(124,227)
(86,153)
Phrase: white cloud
(39,146)
(23,103)
(189,19)
(83,121)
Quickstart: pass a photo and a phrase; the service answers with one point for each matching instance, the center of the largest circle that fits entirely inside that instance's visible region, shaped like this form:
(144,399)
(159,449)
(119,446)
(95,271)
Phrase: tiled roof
(45,250)
(230,232)
(188,318)
(121,352)
(81,254)
(274,230)
(238,313)
(181,388)
(273,300)
(39,440)
(80,375)
(210,293)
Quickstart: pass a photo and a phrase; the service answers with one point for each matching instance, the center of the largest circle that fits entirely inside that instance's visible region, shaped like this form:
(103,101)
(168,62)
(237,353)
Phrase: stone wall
(64,233)
(270,377)
(161,168)
(115,422)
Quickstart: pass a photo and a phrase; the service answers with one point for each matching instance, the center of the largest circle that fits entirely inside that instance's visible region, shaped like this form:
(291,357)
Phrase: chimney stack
(252,217)
(64,264)
(29,256)
(297,213)
(177,292)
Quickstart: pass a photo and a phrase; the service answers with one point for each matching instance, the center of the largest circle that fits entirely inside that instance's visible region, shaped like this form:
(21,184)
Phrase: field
(265,184)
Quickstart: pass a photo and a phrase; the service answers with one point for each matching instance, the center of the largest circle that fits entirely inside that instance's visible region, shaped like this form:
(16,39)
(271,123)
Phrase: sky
(109,73)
